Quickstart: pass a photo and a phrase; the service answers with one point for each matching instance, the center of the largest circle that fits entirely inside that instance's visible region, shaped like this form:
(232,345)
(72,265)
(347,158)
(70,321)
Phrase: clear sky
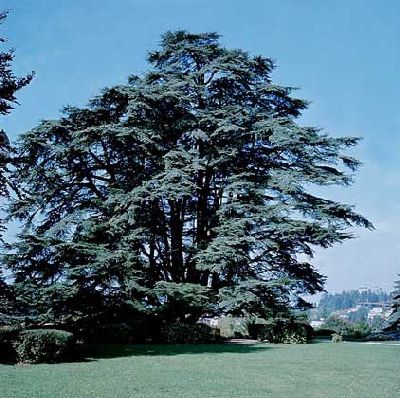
(343,55)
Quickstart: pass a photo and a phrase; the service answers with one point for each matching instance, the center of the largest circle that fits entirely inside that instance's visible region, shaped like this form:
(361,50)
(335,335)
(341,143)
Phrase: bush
(232,327)
(254,330)
(284,331)
(349,331)
(183,333)
(339,325)
(119,333)
(8,335)
(380,337)
(43,345)
(323,332)
(357,331)
(337,338)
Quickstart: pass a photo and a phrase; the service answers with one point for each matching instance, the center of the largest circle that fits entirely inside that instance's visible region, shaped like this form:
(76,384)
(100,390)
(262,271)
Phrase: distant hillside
(365,298)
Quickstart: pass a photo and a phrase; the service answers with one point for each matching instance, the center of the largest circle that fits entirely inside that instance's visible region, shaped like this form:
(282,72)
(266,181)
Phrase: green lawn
(223,370)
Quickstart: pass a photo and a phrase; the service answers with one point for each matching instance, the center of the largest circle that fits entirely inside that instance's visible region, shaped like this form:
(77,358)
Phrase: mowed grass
(220,370)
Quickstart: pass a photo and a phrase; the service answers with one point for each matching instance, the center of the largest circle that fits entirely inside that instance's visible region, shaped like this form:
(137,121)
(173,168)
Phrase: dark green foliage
(182,193)
(9,83)
(7,301)
(184,333)
(336,323)
(8,335)
(348,330)
(121,333)
(321,332)
(183,298)
(280,330)
(43,345)
(356,331)
(380,337)
(393,323)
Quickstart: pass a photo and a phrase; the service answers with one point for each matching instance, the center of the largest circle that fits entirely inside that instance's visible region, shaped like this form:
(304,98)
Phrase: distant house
(382,312)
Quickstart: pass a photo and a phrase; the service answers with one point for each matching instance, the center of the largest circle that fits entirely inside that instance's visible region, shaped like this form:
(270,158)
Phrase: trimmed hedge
(183,333)
(280,331)
(43,345)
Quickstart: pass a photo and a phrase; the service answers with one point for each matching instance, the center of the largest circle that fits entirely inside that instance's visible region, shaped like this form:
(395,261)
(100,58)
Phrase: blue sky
(344,56)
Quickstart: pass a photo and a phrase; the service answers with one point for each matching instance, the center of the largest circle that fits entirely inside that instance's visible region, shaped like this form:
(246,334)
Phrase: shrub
(232,327)
(336,323)
(324,332)
(337,338)
(308,329)
(284,331)
(380,337)
(348,330)
(183,333)
(357,331)
(8,335)
(294,338)
(43,345)
(119,333)
(254,330)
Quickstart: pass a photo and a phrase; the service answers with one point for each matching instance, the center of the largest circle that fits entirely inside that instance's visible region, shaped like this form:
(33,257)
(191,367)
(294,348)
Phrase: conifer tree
(186,191)
(9,85)
(393,323)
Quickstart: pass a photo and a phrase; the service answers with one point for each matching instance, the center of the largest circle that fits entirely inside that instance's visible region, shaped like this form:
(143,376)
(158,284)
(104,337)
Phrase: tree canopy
(9,85)
(184,192)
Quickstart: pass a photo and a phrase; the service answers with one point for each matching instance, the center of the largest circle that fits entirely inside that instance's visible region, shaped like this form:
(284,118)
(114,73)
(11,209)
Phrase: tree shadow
(95,352)
(320,340)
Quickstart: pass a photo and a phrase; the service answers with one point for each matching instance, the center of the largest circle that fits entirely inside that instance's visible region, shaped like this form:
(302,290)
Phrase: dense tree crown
(187,191)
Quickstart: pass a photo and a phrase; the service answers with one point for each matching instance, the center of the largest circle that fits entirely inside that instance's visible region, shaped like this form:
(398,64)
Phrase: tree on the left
(9,85)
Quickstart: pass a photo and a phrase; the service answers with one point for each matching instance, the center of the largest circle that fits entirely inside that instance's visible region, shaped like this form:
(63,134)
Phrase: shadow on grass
(320,340)
(94,352)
